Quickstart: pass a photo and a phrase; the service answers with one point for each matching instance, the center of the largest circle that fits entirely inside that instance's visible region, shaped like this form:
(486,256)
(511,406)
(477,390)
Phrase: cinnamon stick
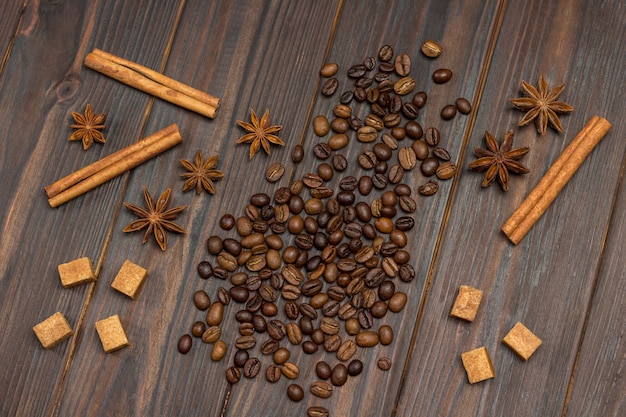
(152,82)
(555,179)
(110,167)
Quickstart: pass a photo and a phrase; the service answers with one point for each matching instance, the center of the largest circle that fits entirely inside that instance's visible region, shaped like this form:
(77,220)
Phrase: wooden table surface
(564,280)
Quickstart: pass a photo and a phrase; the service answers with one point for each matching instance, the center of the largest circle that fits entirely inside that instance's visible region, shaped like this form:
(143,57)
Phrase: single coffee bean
(244,342)
(419,99)
(379,308)
(410,110)
(374,121)
(346,97)
(463,105)
(205,270)
(367,338)
(215,314)
(429,166)
(448,112)
(432,136)
(321,389)
(355,367)
(397,302)
(290,370)
(244,316)
(385,86)
(364,82)
(317,411)
(431,49)
(428,189)
(367,159)
(295,392)
(402,65)
(442,154)
(212,334)
(269,347)
(198,328)
(369,63)
(385,53)
(413,130)
(390,141)
(385,334)
(201,300)
(360,94)
(233,374)
(339,125)
(421,149)
(396,173)
(346,351)
(386,290)
(356,71)
(330,87)
(323,370)
(322,150)
(240,358)
(442,75)
(273,173)
(407,158)
(214,245)
(260,199)
(252,367)
(404,86)
(384,363)
(446,170)
(184,344)
(227,221)
(338,141)
(340,163)
(329,70)
(366,134)
(366,321)
(219,351)
(272,373)
(339,375)
(309,347)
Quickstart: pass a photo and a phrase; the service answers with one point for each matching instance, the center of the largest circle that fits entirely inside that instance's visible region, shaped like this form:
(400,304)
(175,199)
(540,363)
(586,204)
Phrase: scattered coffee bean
(431,49)
(448,112)
(329,70)
(233,374)
(384,363)
(463,105)
(432,136)
(330,87)
(273,173)
(295,392)
(184,344)
(272,373)
(297,154)
(317,411)
(442,75)
(385,53)
(428,189)
(402,65)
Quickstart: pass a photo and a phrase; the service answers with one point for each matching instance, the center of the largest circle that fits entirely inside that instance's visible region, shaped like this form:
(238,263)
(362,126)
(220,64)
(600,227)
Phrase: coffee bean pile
(319,264)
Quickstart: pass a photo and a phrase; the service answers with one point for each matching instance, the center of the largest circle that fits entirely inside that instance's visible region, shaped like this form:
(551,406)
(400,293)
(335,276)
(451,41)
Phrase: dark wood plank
(43,82)
(252,55)
(547,281)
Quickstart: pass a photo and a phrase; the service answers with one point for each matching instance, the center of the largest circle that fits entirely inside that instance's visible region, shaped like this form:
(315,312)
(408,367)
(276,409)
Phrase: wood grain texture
(564,281)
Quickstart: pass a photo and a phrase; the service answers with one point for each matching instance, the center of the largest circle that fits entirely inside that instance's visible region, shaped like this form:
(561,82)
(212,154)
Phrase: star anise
(201,173)
(498,160)
(88,127)
(541,106)
(155,218)
(261,133)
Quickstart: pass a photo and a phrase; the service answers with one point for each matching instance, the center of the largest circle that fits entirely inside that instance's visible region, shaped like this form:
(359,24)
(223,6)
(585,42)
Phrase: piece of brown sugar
(466,304)
(76,272)
(478,365)
(522,341)
(130,279)
(111,333)
(53,330)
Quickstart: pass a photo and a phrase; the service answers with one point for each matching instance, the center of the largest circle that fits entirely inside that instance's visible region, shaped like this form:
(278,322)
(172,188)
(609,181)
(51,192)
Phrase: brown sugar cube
(76,272)
(130,279)
(466,303)
(111,334)
(478,365)
(53,330)
(522,341)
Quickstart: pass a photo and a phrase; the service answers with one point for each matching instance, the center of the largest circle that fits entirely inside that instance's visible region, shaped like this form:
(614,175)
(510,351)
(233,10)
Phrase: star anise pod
(498,160)
(261,133)
(156,218)
(88,127)
(201,173)
(541,106)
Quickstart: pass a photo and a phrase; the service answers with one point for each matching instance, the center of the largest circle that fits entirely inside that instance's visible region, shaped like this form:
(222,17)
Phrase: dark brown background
(565,280)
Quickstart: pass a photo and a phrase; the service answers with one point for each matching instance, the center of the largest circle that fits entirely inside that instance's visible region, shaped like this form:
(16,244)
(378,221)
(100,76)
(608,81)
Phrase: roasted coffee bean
(374,121)
(253,283)
(304,241)
(386,67)
(379,181)
(295,392)
(214,245)
(330,87)
(355,122)
(432,136)
(215,314)
(321,389)
(201,300)
(240,358)
(338,141)
(401,257)
(332,343)
(272,373)
(419,99)
(392,120)
(252,212)
(318,336)
(312,180)
(404,223)
(339,125)
(233,374)
(198,328)
(294,333)
(448,112)
(410,110)
(290,370)
(369,63)
(254,303)
(321,126)
(355,367)
(384,363)
(205,270)
(407,158)
(317,411)
(446,170)
(308,310)
(322,150)
(212,334)
(246,329)
(366,134)
(360,94)
(365,185)
(323,370)
(404,86)
(421,149)
(356,71)
(260,199)
(385,53)
(379,309)
(366,321)
(367,338)
(346,351)
(346,97)
(428,189)
(381,76)
(239,293)
(442,75)
(374,277)
(244,316)
(463,105)
(329,70)
(309,347)
(312,287)
(339,375)
(340,163)
(442,154)
(413,130)
(219,351)
(431,49)
(321,192)
(269,347)
(364,82)
(396,173)
(227,221)
(184,344)
(402,65)
(397,302)
(252,367)
(429,166)
(274,172)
